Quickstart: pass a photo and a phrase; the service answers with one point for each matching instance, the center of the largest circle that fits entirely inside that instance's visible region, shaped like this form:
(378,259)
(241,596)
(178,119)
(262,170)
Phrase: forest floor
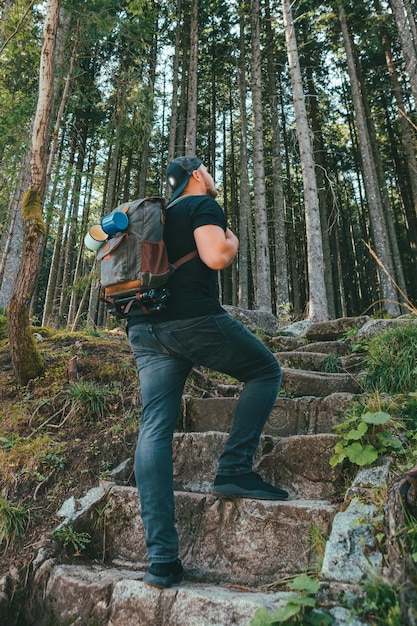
(61,433)
(67,430)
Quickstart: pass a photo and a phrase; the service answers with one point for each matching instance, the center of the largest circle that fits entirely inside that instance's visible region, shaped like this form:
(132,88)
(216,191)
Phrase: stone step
(304,415)
(334,329)
(239,541)
(106,596)
(354,363)
(305,383)
(283,343)
(339,348)
(305,360)
(320,362)
(299,464)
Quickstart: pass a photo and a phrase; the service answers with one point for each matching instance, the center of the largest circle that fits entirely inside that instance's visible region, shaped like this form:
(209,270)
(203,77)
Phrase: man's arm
(216,248)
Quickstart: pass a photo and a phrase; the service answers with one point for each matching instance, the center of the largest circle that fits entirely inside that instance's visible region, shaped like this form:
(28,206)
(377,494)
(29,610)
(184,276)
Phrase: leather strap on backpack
(184,259)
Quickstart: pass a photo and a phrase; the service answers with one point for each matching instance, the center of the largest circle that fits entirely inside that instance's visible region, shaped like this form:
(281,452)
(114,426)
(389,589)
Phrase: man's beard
(212,192)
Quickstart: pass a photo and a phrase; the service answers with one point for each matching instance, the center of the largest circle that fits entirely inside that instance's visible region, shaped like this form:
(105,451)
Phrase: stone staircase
(234,551)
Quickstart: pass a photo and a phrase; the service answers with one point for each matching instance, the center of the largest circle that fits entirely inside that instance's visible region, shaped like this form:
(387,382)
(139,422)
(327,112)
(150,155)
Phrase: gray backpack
(134,263)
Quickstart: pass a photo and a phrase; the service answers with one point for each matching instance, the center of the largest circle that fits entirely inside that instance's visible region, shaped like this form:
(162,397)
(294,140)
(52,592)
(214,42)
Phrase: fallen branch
(407,303)
(48,421)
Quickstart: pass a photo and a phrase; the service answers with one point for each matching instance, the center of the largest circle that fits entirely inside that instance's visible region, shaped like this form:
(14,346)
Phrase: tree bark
(191,132)
(263,266)
(26,358)
(281,271)
(244,208)
(318,310)
(379,230)
(70,247)
(175,82)
(11,243)
(403,20)
(407,140)
(150,104)
(325,196)
(51,309)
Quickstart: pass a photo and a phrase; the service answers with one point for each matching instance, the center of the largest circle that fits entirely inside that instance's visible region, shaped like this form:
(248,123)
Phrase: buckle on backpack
(150,301)
(154,300)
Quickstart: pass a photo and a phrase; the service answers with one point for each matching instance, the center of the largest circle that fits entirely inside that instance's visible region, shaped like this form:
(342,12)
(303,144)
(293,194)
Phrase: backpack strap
(190,255)
(184,259)
(172,202)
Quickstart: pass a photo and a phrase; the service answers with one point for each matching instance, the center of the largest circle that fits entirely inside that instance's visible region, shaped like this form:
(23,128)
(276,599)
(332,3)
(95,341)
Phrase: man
(195,329)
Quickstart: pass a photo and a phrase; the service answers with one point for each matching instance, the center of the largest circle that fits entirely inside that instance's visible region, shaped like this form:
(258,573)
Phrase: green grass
(89,398)
(3,324)
(331,364)
(391,362)
(14,520)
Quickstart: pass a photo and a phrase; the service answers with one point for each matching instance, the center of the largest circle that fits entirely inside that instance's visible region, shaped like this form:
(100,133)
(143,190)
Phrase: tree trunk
(281,272)
(11,243)
(318,310)
(324,193)
(379,231)
(174,103)
(402,17)
(396,266)
(26,358)
(51,308)
(244,208)
(71,243)
(74,309)
(150,103)
(263,268)
(191,132)
(64,21)
(407,141)
(230,165)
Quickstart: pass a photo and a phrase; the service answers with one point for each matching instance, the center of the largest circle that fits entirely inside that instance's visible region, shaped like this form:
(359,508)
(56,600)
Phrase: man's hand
(216,248)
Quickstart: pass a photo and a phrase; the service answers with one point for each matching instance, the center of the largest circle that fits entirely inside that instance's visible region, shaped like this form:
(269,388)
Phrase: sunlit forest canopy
(305,113)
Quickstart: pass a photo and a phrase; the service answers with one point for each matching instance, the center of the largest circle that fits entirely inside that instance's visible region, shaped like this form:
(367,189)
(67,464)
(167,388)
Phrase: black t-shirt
(193,286)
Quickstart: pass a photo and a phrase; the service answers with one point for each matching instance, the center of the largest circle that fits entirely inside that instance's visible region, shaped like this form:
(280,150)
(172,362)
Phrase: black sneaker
(248,485)
(164,575)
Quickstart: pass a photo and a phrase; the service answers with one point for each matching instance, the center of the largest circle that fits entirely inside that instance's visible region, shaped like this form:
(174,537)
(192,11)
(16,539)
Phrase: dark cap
(179,172)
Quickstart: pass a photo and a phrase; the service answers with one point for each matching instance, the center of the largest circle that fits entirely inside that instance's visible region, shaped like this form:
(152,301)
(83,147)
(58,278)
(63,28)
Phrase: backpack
(134,263)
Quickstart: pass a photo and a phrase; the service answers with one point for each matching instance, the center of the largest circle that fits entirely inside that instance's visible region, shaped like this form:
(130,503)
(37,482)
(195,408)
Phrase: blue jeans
(165,352)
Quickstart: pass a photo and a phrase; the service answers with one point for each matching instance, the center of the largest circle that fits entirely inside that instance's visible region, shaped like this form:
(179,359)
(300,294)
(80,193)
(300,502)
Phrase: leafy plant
(14,520)
(380,604)
(365,437)
(8,442)
(105,469)
(391,360)
(71,538)
(54,461)
(299,608)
